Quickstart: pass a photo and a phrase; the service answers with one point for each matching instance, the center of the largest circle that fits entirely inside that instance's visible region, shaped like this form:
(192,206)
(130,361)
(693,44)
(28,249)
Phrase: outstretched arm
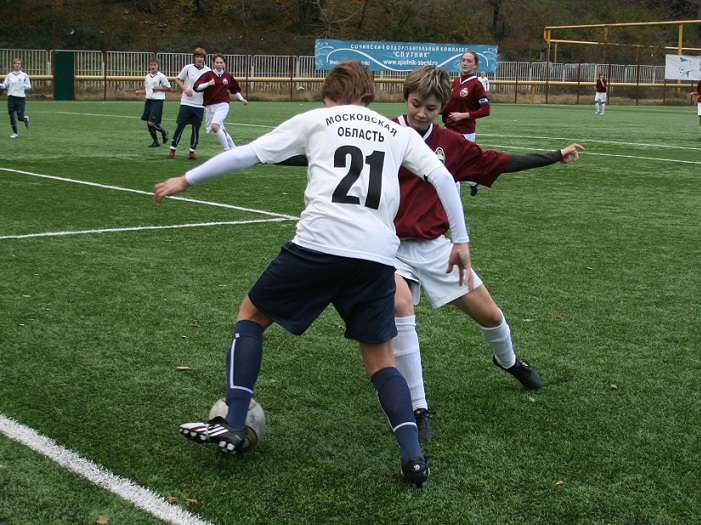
(538,160)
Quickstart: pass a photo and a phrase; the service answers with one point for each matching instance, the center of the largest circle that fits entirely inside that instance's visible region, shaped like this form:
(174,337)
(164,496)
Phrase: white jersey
(189,76)
(352,194)
(16,82)
(157,80)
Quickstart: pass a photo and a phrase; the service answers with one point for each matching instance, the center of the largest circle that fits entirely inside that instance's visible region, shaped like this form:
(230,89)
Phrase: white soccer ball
(255,419)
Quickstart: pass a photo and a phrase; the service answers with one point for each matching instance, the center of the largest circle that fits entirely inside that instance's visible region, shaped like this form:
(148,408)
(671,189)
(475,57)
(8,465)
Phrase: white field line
(139,118)
(136,495)
(276,217)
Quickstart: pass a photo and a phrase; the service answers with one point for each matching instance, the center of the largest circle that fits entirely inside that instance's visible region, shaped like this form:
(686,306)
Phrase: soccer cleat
(423,422)
(165,136)
(474,189)
(524,373)
(416,472)
(192,156)
(14,136)
(171,154)
(26,122)
(154,145)
(218,431)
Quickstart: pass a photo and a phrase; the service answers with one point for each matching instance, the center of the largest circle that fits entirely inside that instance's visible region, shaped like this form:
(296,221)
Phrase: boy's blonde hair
(428,80)
(349,82)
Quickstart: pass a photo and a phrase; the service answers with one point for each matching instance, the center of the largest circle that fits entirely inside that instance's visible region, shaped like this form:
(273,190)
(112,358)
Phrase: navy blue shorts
(299,284)
(153,111)
(190,115)
(16,105)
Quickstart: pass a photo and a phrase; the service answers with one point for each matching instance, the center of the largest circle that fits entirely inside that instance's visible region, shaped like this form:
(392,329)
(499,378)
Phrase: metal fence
(511,77)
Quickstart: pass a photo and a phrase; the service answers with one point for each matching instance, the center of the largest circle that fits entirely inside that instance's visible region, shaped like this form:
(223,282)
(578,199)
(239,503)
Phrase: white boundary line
(276,217)
(138,496)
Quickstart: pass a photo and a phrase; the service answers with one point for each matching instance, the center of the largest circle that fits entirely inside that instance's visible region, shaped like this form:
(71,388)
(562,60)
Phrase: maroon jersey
(466,95)
(421,215)
(601,85)
(698,90)
(224,84)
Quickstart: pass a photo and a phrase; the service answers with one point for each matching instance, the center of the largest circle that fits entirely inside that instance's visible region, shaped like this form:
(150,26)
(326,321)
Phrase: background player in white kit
(155,86)
(16,82)
(218,85)
(343,251)
(191,103)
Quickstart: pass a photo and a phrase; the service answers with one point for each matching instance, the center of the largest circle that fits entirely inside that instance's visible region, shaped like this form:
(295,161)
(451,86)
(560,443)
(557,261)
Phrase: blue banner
(401,56)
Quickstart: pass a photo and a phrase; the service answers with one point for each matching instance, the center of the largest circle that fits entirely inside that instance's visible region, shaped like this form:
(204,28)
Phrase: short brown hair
(199,52)
(428,80)
(349,82)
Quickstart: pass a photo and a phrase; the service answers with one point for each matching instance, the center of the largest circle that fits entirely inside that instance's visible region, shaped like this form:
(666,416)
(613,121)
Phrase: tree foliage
(283,26)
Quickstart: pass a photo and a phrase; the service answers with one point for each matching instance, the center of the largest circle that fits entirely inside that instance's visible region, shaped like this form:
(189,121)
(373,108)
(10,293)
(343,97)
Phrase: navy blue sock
(242,368)
(395,400)
(152,132)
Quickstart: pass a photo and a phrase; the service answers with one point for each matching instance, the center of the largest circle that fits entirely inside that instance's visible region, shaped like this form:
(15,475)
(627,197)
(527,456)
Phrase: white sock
(499,339)
(603,108)
(408,357)
(597,107)
(221,136)
(230,141)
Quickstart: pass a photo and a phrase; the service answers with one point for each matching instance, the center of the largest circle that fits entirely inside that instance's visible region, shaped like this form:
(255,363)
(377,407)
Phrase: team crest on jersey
(440,153)
(463,92)
(225,81)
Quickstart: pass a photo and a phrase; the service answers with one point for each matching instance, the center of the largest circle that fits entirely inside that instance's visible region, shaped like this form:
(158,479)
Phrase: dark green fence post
(64,75)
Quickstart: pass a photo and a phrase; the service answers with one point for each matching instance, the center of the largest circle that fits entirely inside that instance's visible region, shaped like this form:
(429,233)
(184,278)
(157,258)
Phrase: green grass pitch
(115,314)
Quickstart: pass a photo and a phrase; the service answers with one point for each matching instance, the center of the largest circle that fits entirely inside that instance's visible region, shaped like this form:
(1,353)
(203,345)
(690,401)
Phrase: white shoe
(14,136)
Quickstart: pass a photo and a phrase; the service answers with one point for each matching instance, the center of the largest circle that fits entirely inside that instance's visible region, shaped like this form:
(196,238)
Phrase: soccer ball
(255,420)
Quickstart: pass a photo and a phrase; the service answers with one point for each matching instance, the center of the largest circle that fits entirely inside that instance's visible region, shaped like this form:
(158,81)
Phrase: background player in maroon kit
(469,100)
(421,225)
(218,86)
(600,97)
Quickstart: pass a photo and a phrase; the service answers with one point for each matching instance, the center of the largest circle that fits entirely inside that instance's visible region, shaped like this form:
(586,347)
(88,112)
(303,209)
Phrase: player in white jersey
(191,102)
(343,251)
(16,82)
(155,86)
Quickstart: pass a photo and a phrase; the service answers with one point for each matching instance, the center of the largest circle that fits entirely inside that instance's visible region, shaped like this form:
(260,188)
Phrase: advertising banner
(401,56)
(682,67)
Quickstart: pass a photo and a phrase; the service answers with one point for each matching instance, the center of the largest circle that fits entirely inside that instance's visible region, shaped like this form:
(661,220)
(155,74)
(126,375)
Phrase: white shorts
(216,114)
(600,97)
(470,136)
(423,263)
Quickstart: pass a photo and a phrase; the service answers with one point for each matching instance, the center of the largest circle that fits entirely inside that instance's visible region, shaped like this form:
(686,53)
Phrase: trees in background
(282,26)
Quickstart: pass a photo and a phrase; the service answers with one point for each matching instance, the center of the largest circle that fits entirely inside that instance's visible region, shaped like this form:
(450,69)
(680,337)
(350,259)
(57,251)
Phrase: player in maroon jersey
(600,97)
(469,100)
(218,86)
(421,224)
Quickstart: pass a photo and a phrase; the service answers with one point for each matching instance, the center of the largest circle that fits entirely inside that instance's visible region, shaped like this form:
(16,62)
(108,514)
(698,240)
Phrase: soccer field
(116,312)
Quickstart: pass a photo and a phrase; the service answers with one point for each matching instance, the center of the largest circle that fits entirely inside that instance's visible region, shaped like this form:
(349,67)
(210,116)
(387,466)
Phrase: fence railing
(124,70)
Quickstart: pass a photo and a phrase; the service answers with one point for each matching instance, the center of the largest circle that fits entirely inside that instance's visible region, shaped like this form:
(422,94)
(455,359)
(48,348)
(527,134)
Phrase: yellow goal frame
(549,37)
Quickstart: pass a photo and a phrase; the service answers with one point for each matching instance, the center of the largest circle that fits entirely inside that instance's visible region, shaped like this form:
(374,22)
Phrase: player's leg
(154,137)
(182,121)
(407,355)
(220,111)
(395,400)
(603,104)
(21,117)
(479,305)
(12,110)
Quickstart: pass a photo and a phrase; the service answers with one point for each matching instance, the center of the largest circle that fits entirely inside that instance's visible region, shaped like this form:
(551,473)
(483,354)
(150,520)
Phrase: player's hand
(571,153)
(460,256)
(245,102)
(170,187)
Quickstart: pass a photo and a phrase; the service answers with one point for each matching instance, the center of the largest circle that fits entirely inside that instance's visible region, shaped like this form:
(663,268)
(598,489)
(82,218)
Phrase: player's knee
(403,305)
